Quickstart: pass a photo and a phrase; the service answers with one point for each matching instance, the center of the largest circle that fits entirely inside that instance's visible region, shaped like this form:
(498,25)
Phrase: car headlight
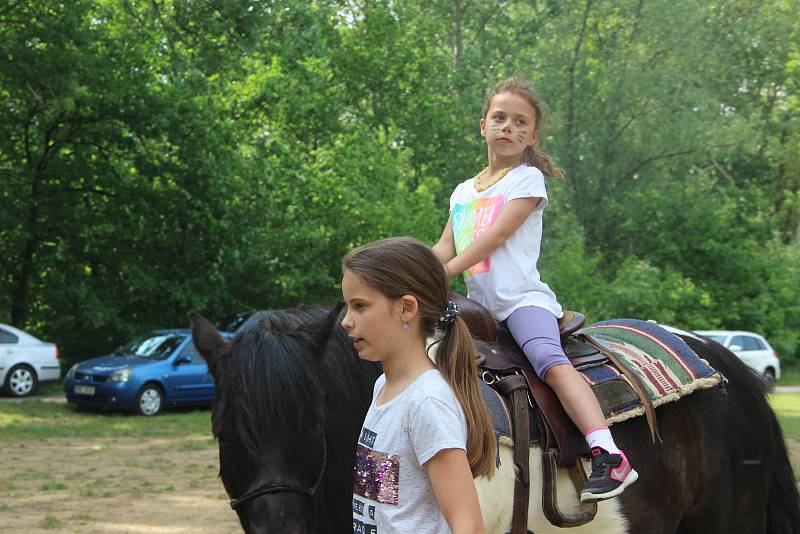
(123,375)
(71,372)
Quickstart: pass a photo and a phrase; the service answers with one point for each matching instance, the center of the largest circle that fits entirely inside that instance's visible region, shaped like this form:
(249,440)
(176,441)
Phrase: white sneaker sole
(630,479)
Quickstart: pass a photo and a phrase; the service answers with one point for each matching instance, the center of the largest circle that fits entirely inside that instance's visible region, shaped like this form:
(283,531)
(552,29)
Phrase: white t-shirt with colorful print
(508,279)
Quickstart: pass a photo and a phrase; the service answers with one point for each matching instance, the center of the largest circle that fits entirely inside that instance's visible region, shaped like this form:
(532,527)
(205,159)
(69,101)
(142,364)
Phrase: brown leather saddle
(536,413)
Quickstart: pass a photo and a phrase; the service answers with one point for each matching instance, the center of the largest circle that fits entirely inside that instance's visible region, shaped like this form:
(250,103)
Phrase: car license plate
(84,390)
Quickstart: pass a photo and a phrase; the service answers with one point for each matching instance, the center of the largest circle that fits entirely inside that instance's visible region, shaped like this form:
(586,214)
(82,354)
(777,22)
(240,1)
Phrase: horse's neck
(348,381)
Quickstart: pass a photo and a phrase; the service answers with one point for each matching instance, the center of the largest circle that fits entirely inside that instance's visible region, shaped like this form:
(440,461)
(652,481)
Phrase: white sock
(601,437)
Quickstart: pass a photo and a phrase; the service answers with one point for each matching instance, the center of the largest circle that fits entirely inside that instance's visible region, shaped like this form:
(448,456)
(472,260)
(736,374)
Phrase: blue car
(159,369)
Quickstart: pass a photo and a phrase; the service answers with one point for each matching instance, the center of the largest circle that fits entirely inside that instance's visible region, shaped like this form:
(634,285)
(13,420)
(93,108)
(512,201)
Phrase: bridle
(285,488)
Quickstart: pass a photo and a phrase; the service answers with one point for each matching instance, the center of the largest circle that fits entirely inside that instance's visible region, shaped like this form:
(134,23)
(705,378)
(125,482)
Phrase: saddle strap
(550,493)
(515,388)
(637,385)
(561,432)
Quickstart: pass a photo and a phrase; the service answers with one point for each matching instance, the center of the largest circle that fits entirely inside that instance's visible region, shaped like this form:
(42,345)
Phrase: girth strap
(515,388)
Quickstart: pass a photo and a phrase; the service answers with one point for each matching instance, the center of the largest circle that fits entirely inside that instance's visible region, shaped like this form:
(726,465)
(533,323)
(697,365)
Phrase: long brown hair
(405,266)
(532,155)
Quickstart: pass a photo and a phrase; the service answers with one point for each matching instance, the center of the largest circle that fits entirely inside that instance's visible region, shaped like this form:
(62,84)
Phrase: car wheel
(21,381)
(150,400)
(769,379)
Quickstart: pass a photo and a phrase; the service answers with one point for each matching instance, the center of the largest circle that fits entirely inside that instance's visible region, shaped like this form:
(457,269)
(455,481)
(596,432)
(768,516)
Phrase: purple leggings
(536,331)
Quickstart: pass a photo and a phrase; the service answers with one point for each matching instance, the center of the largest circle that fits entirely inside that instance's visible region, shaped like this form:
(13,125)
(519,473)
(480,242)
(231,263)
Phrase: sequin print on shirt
(376,475)
(470,221)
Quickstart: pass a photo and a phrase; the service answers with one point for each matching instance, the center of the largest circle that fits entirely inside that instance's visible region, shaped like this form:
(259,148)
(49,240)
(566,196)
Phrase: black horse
(292,393)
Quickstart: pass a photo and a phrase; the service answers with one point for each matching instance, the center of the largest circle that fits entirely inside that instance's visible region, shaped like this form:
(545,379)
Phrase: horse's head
(269,416)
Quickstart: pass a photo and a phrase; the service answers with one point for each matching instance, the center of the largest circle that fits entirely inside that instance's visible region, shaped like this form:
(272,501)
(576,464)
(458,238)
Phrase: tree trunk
(19,299)
(458,16)
(570,126)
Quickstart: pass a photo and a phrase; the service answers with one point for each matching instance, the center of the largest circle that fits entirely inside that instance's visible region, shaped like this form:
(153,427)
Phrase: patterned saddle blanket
(666,367)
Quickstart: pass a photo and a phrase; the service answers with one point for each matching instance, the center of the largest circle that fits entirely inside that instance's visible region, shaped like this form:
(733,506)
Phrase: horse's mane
(272,378)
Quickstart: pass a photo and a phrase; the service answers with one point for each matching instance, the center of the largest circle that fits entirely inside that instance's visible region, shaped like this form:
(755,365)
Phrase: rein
(285,488)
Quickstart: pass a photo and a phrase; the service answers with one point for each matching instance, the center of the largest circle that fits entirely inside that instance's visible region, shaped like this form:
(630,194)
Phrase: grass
(52,485)
(790,376)
(51,522)
(34,419)
(83,516)
(787,407)
(51,388)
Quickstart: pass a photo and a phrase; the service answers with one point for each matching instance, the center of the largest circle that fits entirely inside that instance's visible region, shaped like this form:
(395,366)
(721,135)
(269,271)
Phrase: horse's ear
(207,340)
(324,330)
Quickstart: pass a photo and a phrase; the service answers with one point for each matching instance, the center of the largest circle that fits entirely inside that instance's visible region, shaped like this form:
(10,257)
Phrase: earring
(405,325)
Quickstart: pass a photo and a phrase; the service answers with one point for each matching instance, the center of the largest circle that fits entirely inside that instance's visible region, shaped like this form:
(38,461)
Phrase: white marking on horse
(497,500)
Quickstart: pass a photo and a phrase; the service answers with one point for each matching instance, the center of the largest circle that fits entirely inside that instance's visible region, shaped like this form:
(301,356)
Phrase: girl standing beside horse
(427,432)
(493,236)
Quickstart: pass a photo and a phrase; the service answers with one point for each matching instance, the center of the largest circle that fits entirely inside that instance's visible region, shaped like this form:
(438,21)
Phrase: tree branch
(637,14)
(720,169)
(639,166)
(88,190)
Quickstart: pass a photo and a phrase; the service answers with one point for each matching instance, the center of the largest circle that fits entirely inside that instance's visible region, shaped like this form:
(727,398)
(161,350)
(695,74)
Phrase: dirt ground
(153,486)
(158,486)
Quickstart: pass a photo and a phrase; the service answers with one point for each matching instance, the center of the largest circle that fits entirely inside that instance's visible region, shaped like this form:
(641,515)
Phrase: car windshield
(719,339)
(152,346)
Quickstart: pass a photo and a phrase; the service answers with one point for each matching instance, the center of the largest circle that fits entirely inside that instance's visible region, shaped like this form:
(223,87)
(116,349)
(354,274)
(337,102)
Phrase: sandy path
(153,486)
(165,486)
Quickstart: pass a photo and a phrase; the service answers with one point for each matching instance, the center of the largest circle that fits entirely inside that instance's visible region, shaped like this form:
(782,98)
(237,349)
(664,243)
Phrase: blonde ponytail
(542,161)
(456,362)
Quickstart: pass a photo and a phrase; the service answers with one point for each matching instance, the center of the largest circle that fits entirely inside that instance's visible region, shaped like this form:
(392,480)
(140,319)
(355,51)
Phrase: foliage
(163,156)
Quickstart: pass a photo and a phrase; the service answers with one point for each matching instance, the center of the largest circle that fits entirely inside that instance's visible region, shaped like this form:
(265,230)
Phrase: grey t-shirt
(391,489)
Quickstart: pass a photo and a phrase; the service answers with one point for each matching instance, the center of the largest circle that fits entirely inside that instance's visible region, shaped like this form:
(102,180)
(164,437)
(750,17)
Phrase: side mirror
(181,360)
(735,348)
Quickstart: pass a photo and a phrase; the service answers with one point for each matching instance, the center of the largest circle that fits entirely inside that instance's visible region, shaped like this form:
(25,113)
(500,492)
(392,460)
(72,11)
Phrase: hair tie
(450,313)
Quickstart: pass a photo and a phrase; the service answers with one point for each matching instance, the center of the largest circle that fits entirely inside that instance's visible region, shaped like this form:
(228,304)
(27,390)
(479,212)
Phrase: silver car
(25,362)
(752,349)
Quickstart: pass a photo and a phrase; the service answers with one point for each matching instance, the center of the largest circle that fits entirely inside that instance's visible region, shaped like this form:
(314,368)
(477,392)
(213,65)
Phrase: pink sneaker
(611,474)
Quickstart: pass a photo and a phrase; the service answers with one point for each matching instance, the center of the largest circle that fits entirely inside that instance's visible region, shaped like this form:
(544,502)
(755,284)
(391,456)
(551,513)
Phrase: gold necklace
(499,175)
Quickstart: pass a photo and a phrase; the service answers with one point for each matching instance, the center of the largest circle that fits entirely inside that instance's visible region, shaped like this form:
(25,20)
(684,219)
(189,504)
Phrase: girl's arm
(455,491)
(445,248)
(512,216)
